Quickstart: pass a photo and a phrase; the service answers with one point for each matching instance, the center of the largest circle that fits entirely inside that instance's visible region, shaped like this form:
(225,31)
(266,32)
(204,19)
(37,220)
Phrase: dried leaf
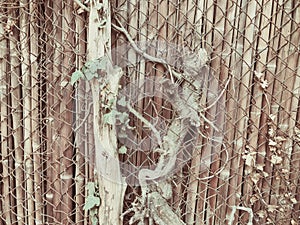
(278,151)
(255,177)
(253,199)
(272,208)
(264,84)
(276,159)
(249,159)
(294,200)
(261,213)
(265,174)
(271,132)
(64,83)
(280,139)
(272,143)
(260,167)
(80,11)
(258,75)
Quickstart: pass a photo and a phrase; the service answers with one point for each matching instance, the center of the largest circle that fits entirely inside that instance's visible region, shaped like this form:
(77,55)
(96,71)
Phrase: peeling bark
(161,212)
(111,185)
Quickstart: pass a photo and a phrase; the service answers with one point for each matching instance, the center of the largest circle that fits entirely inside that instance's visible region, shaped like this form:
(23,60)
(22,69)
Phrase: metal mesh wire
(250,176)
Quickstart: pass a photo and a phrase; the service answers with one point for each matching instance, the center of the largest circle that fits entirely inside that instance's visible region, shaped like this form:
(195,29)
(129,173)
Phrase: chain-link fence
(205,117)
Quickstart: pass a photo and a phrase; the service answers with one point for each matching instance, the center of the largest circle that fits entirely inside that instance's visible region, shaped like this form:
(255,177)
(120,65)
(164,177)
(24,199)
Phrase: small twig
(147,123)
(218,98)
(133,44)
(208,121)
(171,74)
(220,170)
(82,5)
(127,211)
(267,100)
(261,199)
(149,57)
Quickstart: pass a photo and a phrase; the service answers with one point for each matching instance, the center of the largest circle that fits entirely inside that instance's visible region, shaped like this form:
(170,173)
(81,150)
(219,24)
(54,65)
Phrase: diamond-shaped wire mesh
(246,171)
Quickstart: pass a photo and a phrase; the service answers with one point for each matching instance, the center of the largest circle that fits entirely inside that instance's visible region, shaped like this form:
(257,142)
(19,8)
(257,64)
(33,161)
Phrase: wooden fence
(241,163)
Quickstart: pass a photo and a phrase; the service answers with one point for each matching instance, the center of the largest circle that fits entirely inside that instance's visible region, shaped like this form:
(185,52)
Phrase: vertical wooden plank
(66,112)
(145,106)
(209,23)
(263,156)
(82,161)
(232,29)
(137,77)
(188,11)
(4,81)
(270,70)
(142,68)
(26,110)
(16,113)
(258,112)
(49,122)
(36,135)
(216,113)
(226,71)
(189,41)
(55,122)
(241,71)
(207,149)
(274,67)
(196,198)
(195,166)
